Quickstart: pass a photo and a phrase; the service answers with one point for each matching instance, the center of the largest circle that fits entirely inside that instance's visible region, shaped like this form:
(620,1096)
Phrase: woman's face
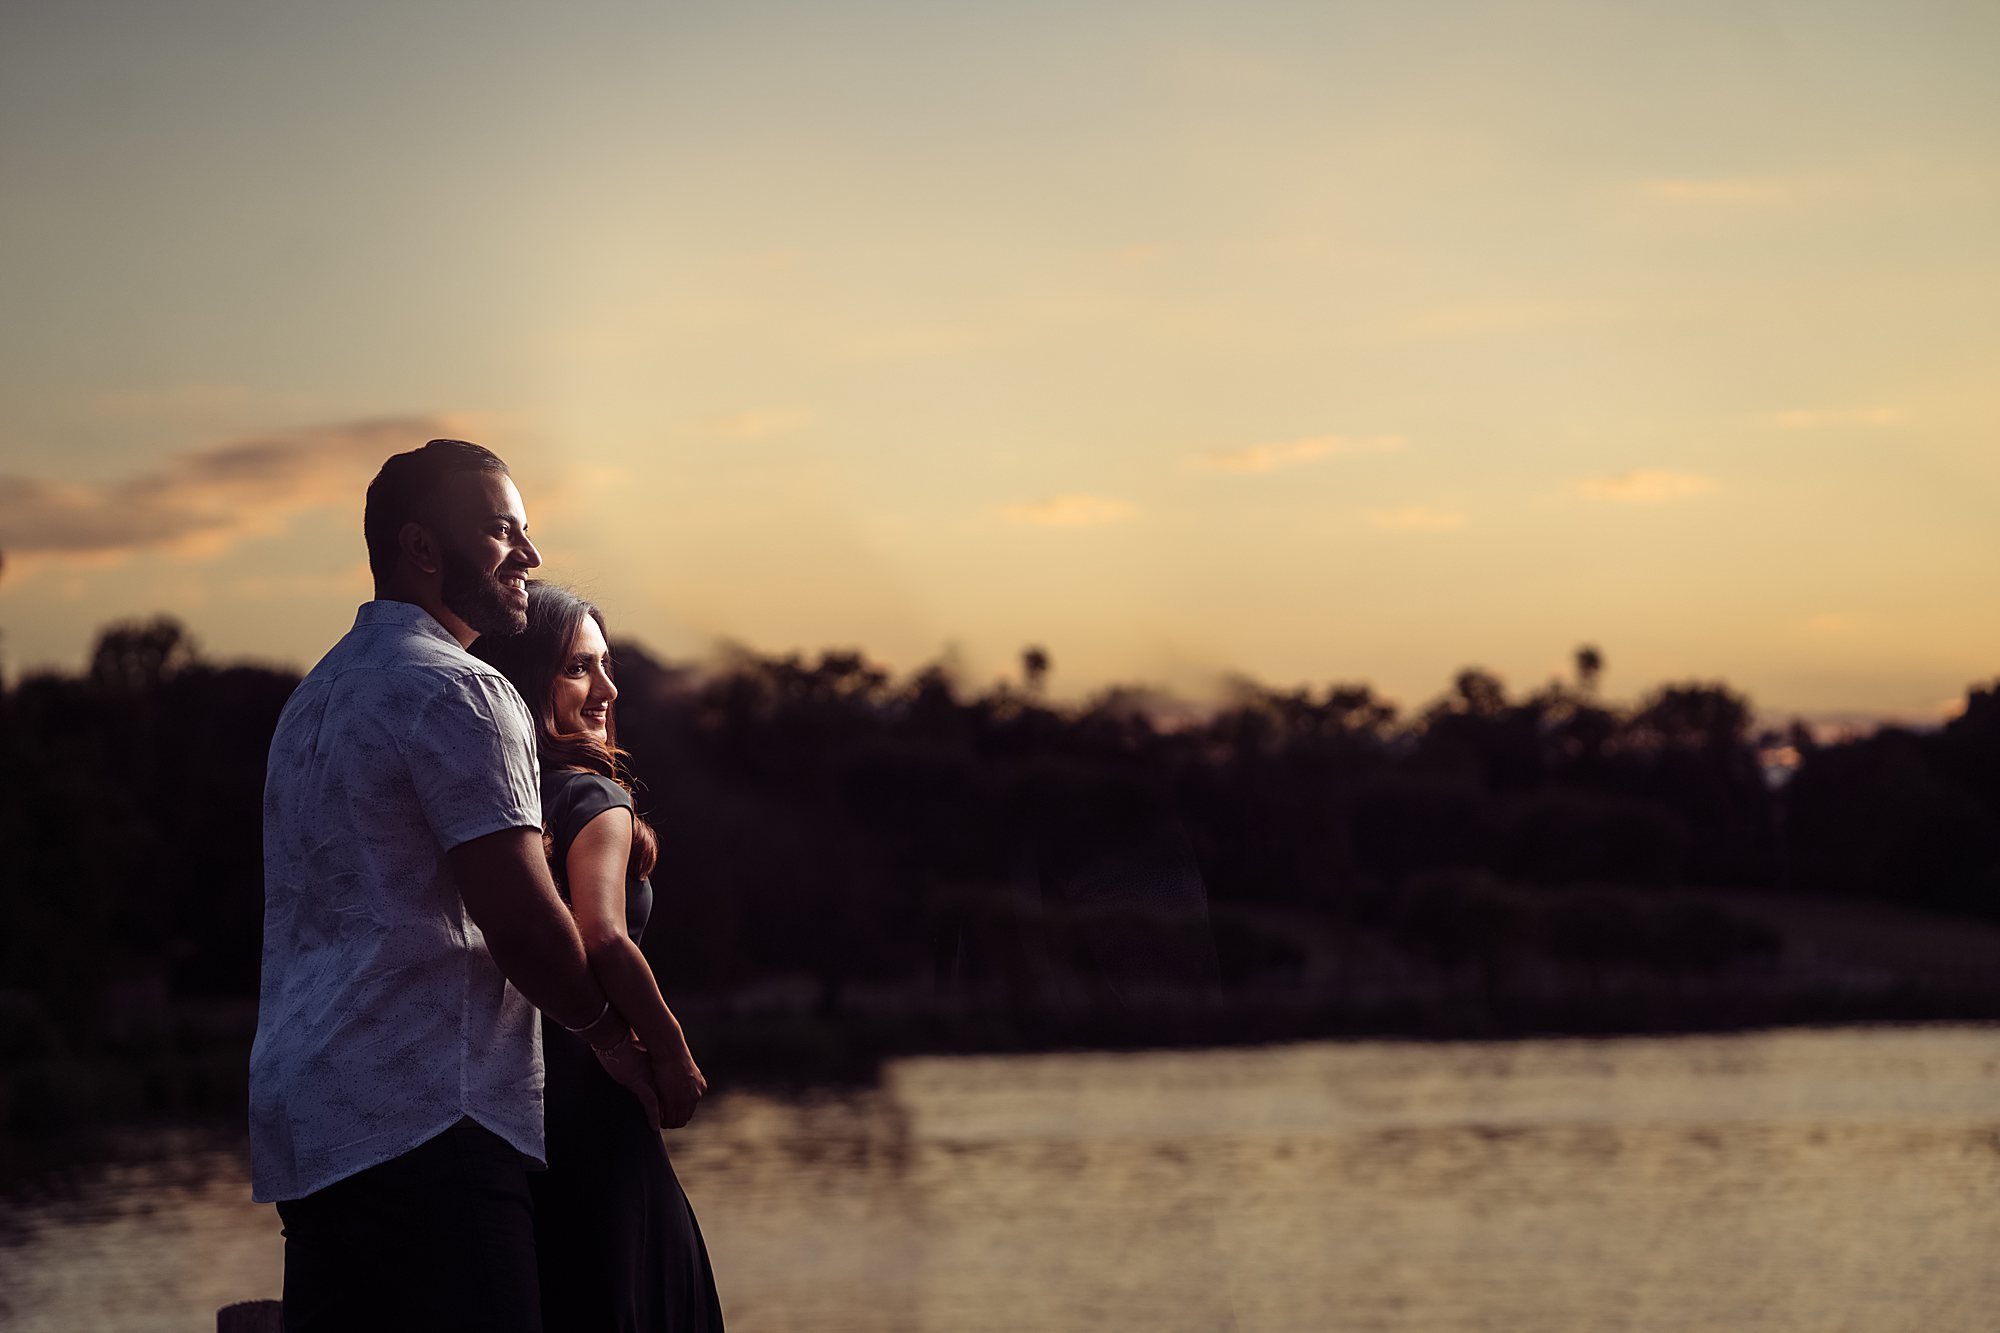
(583,690)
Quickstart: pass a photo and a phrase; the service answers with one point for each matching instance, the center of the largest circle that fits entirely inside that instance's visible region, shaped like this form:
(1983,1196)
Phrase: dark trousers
(442,1237)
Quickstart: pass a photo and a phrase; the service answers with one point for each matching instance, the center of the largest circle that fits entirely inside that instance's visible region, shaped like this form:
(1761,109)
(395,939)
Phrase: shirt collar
(408,615)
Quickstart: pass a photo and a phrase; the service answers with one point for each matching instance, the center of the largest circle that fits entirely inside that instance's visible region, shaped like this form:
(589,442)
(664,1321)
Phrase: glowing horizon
(1314,344)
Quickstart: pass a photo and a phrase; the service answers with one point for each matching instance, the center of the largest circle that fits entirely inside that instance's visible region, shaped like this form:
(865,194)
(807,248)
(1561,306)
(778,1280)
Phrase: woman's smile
(582,694)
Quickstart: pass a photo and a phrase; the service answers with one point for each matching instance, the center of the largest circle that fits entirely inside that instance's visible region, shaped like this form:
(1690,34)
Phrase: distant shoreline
(791,1051)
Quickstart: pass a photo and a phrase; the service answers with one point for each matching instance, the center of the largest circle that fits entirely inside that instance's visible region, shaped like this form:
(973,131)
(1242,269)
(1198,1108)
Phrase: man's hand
(627,1063)
(679,1085)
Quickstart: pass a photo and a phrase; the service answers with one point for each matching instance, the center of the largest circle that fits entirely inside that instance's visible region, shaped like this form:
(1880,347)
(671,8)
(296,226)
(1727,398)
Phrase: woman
(616,1241)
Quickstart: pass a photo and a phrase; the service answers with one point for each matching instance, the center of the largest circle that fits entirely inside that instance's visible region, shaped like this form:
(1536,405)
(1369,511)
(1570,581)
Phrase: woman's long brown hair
(531,660)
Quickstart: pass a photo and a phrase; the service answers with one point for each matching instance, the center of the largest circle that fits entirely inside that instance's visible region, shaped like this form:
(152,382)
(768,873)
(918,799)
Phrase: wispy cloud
(202,404)
(1069,511)
(1271,457)
(933,341)
(1735,191)
(204,500)
(578,491)
(1418,518)
(1900,180)
(1472,318)
(1644,487)
(355,579)
(180,400)
(773,263)
(1209,66)
(1141,254)
(1310,249)
(755,424)
(1834,418)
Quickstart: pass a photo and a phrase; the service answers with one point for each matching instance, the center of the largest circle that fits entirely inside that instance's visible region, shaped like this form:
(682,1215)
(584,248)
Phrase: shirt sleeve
(593,794)
(584,797)
(471,754)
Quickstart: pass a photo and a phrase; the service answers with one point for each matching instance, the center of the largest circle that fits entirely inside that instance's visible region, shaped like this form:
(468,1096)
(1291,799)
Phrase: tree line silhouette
(846,844)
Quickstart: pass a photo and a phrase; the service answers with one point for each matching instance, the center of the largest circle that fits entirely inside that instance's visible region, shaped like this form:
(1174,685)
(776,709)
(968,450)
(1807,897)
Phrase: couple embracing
(450,847)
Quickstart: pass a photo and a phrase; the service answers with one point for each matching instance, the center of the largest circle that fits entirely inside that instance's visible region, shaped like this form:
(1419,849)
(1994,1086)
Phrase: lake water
(1808,1180)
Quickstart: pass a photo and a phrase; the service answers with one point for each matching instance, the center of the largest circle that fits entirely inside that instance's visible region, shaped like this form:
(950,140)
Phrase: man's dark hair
(407,489)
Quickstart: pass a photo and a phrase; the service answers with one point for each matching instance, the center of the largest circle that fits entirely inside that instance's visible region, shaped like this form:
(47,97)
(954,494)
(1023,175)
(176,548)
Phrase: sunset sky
(1313,341)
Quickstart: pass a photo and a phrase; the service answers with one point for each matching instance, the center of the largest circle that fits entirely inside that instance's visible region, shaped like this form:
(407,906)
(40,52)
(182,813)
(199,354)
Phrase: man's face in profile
(485,554)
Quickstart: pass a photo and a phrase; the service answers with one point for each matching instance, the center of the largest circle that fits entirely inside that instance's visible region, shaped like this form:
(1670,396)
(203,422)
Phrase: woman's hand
(679,1084)
(627,1063)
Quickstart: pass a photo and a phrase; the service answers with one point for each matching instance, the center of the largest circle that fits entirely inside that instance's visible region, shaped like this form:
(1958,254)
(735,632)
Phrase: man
(410,930)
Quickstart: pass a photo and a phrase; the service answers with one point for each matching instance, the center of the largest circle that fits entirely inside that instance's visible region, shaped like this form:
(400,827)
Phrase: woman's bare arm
(504,882)
(596,868)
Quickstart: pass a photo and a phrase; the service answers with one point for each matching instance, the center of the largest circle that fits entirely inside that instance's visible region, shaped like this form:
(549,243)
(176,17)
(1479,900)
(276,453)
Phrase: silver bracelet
(591,1024)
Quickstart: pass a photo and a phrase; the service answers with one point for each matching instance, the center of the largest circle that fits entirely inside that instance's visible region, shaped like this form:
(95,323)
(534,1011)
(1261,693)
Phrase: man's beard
(481,600)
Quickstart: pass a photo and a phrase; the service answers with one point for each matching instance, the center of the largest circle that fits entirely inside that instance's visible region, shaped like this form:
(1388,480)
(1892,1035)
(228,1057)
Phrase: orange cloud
(1140,254)
(353,579)
(1823,418)
(1472,319)
(1418,518)
(1644,487)
(180,400)
(1717,190)
(1271,457)
(755,424)
(1069,511)
(1316,250)
(204,500)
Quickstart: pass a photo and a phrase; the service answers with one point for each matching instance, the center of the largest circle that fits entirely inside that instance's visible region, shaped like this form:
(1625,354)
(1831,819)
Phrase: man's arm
(505,885)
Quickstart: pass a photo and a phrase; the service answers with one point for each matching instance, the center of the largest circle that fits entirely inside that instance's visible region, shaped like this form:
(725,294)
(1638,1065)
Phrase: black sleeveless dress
(615,1239)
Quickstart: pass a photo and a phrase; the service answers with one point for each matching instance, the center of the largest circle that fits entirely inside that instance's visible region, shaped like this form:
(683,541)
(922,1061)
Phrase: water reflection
(160,1239)
(1794,1181)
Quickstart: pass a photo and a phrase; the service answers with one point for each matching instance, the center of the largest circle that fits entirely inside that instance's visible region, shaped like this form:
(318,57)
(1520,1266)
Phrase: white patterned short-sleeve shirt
(381,1017)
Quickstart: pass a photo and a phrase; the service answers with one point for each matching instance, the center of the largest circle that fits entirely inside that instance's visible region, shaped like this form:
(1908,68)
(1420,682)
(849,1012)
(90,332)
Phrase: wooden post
(251,1317)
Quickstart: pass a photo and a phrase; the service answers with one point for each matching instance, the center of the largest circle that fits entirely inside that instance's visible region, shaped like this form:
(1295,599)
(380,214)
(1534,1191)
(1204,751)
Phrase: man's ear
(419,547)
